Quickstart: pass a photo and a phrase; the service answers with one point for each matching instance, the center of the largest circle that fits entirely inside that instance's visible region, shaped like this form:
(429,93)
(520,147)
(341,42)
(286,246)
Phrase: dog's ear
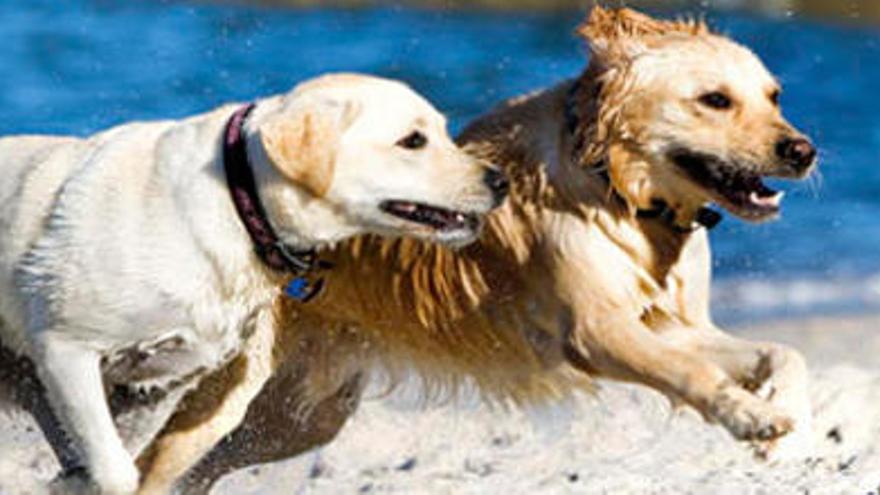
(620,34)
(302,145)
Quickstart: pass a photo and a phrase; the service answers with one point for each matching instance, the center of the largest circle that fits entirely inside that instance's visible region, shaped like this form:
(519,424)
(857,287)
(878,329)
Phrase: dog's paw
(796,445)
(123,479)
(747,417)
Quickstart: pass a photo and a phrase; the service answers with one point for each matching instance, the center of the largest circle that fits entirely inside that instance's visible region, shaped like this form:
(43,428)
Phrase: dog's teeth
(459,217)
(776,199)
(772,201)
(754,198)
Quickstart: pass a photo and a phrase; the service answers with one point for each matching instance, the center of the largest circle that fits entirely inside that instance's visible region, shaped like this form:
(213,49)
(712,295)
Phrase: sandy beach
(625,440)
(78,68)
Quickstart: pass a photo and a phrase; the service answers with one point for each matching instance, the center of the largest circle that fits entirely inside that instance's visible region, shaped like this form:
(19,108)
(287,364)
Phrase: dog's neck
(277,253)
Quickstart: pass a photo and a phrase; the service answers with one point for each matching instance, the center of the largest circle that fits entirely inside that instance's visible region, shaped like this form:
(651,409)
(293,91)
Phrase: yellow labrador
(597,266)
(145,254)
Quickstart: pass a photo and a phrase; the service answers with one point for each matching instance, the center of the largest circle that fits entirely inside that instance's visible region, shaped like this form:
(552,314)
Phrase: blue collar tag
(297,288)
(301,289)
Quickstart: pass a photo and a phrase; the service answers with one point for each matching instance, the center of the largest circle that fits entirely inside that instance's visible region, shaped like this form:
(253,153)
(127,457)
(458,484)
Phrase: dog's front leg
(773,371)
(628,350)
(777,370)
(195,430)
(70,371)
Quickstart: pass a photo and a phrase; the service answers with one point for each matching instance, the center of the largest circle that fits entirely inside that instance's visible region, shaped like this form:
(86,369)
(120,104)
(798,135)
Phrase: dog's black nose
(497,183)
(798,152)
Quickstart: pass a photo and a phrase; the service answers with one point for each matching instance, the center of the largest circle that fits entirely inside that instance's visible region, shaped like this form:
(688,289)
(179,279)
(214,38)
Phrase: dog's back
(32,166)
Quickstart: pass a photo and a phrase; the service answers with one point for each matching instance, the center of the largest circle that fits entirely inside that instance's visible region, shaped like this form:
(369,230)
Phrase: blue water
(77,67)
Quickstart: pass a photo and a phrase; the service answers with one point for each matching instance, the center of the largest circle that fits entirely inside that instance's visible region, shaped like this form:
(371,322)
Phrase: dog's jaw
(672,178)
(430,223)
(734,186)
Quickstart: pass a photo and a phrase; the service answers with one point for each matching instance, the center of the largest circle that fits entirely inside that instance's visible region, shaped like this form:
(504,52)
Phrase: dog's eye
(716,100)
(413,141)
(774,97)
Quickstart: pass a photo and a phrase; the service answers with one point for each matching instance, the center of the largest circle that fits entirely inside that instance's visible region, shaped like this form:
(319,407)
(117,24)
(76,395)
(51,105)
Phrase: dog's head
(688,117)
(368,155)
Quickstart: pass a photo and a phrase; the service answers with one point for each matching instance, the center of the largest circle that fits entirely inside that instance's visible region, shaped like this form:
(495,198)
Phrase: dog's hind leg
(139,421)
(71,374)
(278,426)
(197,428)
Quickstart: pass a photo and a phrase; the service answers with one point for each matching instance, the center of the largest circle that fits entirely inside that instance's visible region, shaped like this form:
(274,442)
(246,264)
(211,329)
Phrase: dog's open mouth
(435,217)
(740,191)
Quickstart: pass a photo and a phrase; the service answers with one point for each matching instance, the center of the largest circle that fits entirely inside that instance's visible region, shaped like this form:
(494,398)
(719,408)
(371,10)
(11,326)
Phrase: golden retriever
(146,254)
(597,266)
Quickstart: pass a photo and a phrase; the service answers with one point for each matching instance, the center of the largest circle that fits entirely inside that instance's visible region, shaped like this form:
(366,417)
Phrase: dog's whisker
(815,182)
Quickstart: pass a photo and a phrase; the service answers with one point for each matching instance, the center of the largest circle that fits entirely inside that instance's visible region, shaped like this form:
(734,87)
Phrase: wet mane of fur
(605,27)
(615,38)
(454,318)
